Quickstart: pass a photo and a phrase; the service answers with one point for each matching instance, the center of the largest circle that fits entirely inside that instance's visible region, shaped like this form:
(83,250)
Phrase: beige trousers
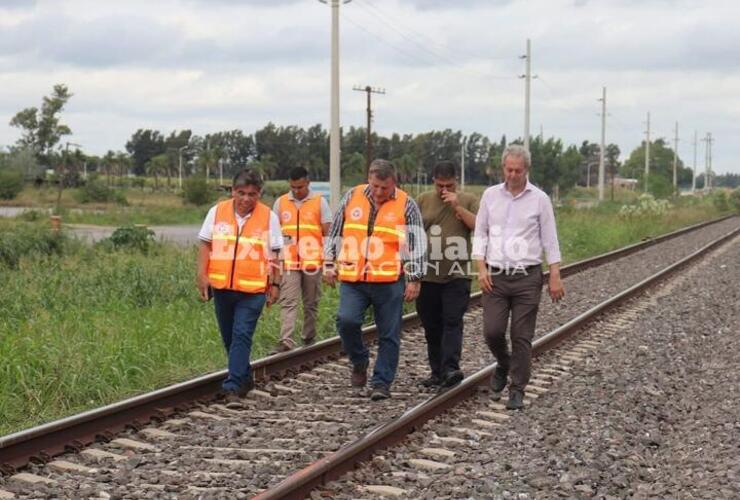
(297,284)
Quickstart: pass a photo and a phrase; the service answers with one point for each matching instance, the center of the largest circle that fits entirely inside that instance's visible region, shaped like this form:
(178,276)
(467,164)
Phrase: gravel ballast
(653,414)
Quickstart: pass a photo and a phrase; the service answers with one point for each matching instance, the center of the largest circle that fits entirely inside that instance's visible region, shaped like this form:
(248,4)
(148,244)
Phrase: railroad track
(206,448)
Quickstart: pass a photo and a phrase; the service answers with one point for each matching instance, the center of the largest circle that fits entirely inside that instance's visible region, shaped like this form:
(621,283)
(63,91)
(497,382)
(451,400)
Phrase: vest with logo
(240,260)
(302,229)
(373,257)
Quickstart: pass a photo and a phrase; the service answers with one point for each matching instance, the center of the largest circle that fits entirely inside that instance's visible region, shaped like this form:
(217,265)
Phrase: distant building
(624,183)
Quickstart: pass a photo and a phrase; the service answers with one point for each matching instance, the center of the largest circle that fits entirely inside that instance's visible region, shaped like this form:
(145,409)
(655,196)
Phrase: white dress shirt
(512,231)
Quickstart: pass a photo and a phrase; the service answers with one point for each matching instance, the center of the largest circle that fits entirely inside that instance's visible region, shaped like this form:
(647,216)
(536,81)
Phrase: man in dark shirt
(449,217)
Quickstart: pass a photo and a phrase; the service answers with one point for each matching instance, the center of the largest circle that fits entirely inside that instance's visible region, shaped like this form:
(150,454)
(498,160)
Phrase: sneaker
(498,382)
(231,399)
(281,347)
(452,379)
(379,393)
(516,401)
(359,375)
(431,381)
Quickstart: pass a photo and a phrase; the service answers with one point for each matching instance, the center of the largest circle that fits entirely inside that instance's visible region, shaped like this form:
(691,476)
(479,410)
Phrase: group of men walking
(384,248)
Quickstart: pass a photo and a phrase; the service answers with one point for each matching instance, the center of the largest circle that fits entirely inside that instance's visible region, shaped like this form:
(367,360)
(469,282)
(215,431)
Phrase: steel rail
(300,484)
(42,443)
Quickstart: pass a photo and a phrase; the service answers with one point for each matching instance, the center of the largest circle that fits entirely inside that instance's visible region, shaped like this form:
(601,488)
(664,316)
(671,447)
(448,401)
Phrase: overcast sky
(224,64)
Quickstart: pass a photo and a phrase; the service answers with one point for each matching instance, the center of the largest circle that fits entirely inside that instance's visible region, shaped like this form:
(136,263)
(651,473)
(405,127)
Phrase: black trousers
(441,307)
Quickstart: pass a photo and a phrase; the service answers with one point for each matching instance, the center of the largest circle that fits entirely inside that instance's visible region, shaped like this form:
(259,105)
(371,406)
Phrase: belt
(513,271)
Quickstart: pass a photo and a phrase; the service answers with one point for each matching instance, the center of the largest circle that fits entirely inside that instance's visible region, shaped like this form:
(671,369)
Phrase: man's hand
(330,276)
(557,291)
(451,198)
(202,285)
(484,278)
(555,285)
(412,290)
(273,294)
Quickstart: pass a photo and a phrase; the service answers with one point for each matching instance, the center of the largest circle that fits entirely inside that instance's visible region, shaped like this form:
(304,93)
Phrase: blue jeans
(387,302)
(237,314)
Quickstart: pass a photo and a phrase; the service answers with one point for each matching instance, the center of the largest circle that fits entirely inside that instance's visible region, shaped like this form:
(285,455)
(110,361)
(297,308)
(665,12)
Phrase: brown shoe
(308,342)
(359,375)
(281,347)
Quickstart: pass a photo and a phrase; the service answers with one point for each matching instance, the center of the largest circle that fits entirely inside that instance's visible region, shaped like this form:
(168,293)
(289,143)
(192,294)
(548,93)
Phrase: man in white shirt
(238,263)
(514,225)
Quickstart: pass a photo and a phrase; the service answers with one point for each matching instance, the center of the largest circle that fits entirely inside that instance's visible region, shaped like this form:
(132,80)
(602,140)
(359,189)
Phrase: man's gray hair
(516,151)
(382,169)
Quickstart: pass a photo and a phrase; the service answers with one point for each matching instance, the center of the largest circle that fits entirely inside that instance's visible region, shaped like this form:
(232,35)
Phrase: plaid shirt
(413,254)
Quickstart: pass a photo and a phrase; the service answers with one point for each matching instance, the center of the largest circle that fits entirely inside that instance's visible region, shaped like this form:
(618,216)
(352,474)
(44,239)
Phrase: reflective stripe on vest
(239,261)
(302,229)
(373,257)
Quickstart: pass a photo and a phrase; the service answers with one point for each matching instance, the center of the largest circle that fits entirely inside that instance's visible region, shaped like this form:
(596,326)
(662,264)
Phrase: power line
(387,18)
(436,56)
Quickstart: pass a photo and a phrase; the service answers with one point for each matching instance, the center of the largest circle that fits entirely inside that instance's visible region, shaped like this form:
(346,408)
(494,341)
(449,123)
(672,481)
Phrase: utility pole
(462,163)
(527,81)
(675,161)
(707,161)
(335,182)
(693,176)
(369,139)
(603,143)
(647,152)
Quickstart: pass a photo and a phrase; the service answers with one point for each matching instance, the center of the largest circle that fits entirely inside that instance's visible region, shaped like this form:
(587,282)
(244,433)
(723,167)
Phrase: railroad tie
(385,491)
(153,433)
(6,495)
(25,477)
(440,453)
(64,466)
(134,445)
(204,415)
(99,455)
(430,465)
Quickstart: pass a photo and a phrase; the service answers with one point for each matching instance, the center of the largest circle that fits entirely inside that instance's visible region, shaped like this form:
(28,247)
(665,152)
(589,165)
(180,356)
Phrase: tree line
(274,149)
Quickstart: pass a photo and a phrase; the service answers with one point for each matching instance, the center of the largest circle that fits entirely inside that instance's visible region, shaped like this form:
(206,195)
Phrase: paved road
(181,234)
(184,235)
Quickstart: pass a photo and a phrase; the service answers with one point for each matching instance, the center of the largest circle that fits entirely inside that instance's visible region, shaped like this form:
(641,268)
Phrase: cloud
(239,64)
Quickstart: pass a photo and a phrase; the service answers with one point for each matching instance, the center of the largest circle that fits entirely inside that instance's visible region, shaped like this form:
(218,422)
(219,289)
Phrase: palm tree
(157,166)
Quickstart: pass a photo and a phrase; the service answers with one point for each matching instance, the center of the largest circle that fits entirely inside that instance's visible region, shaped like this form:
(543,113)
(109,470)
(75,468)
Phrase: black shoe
(498,382)
(432,381)
(246,388)
(516,401)
(452,379)
(359,375)
(379,393)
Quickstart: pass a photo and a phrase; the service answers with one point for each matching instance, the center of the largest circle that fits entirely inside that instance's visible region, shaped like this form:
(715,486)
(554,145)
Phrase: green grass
(85,326)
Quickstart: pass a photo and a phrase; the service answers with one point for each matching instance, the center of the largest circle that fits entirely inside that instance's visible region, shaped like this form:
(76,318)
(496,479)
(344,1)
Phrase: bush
(647,207)
(720,201)
(735,200)
(133,237)
(18,240)
(97,191)
(195,191)
(11,184)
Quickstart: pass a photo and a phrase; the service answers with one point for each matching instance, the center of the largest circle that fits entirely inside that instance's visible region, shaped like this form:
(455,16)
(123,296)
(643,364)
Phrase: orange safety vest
(240,260)
(302,226)
(373,257)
